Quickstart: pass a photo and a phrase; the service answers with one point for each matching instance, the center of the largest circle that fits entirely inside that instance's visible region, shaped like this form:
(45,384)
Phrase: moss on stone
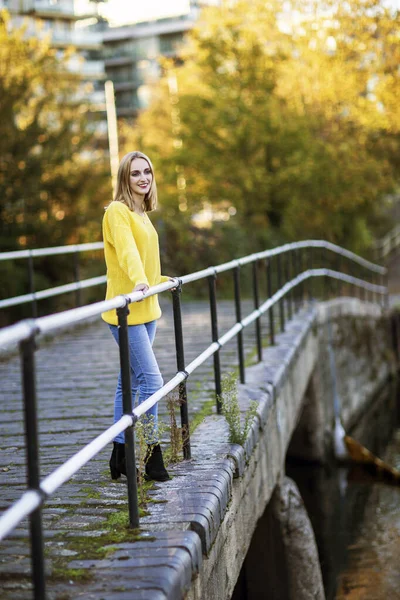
(116,531)
(62,573)
(205,411)
(91,492)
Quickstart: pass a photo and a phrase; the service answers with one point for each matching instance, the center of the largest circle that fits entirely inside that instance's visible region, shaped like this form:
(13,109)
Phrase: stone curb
(199,492)
(192,494)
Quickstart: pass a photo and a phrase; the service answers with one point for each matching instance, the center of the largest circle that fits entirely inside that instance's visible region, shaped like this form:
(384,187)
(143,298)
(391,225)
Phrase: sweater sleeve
(164,278)
(123,240)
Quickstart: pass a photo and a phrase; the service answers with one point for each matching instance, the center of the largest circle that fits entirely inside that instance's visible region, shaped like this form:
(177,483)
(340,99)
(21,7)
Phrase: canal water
(355,513)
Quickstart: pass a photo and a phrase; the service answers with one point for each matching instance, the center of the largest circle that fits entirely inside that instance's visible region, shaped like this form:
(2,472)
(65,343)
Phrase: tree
(47,185)
(53,184)
(276,118)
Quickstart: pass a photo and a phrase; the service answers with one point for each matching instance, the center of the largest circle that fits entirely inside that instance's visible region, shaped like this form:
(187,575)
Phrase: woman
(133,264)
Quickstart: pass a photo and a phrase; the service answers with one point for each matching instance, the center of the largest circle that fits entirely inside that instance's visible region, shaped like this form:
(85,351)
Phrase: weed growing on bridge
(231,411)
(144,433)
(175,432)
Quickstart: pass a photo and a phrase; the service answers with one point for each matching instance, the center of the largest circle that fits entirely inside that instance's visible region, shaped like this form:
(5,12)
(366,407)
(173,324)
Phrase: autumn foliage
(283,116)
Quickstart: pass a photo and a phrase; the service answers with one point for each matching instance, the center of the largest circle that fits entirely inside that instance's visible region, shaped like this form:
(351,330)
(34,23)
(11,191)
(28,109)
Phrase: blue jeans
(145,375)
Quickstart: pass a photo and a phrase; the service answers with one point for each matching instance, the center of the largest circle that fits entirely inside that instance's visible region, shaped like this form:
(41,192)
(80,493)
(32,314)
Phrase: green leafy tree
(53,183)
(46,184)
(294,123)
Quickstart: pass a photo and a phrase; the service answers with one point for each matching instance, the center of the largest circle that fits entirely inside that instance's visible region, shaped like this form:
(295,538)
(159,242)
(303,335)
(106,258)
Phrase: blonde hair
(123,191)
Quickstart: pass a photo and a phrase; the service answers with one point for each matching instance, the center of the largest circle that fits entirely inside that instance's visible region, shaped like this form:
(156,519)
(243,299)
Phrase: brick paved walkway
(76,377)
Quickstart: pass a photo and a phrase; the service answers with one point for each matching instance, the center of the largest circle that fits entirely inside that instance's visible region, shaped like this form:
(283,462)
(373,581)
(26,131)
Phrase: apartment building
(61,21)
(132,53)
(128,55)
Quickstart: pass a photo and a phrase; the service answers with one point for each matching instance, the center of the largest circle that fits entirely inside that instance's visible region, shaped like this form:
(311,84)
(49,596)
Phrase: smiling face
(140,178)
(136,183)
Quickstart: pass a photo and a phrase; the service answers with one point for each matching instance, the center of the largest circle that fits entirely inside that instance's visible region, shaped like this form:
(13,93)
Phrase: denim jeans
(145,375)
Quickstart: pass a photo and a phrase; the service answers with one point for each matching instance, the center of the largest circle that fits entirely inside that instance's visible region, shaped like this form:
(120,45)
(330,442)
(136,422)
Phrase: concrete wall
(360,339)
(294,386)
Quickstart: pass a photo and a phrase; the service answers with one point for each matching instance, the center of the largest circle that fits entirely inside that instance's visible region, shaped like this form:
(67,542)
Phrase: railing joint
(178,289)
(132,416)
(34,329)
(184,373)
(41,492)
(124,309)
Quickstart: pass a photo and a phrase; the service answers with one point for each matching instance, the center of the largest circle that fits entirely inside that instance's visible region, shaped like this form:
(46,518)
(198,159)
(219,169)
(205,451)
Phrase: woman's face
(140,176)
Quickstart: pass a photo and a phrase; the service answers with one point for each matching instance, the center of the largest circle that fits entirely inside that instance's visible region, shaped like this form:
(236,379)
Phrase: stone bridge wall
(295,390)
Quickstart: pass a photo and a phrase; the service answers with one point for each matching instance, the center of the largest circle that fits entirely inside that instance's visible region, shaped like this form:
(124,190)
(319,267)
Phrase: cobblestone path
(76,378)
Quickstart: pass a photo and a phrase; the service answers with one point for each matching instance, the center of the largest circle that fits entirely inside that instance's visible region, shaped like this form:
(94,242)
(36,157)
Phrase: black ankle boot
(154,464)
(117,461)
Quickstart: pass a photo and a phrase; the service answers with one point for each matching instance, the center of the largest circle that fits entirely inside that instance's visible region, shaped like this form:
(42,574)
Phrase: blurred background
(266,122)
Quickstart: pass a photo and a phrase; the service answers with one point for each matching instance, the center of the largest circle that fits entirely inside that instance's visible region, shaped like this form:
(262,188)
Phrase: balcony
(81,38)
(93,69)
(126,85)
(119,60)
(115,55)
(88,69)
(51,9)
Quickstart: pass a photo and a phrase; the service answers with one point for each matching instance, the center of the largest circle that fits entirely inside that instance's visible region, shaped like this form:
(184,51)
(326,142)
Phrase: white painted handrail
(31,499)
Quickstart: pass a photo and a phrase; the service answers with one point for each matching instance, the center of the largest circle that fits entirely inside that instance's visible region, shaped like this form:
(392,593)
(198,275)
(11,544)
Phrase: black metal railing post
(375,280)
(281,302)
(371,293)
(295,291)
(78,291)
(300,286)
(271,310)
(350,271)
(287,277)
(309,266)
(385,283)
(362,291)
(341,285)
(212,280)
(324,283)
(337,284)
(27,349)
(236,281)
(354,273)
(300,265)
(127,410)
(359,274)
(180,363)
(31,279)
(256,299)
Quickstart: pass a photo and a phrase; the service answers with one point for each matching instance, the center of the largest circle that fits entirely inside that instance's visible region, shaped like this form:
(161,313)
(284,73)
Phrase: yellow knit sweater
(132,257)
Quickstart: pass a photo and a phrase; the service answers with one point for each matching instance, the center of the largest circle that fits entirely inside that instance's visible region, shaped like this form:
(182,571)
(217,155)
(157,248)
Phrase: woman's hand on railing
(175,280)
(141,287)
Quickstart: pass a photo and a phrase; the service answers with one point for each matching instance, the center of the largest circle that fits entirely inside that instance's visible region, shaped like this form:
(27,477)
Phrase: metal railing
(288,288)
(386,245)
(33,296)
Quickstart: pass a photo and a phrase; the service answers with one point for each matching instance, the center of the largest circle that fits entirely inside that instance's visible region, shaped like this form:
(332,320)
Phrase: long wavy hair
(123,191)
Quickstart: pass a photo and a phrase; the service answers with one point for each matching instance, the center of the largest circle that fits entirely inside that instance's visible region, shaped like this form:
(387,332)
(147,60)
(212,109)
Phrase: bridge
(197,529)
